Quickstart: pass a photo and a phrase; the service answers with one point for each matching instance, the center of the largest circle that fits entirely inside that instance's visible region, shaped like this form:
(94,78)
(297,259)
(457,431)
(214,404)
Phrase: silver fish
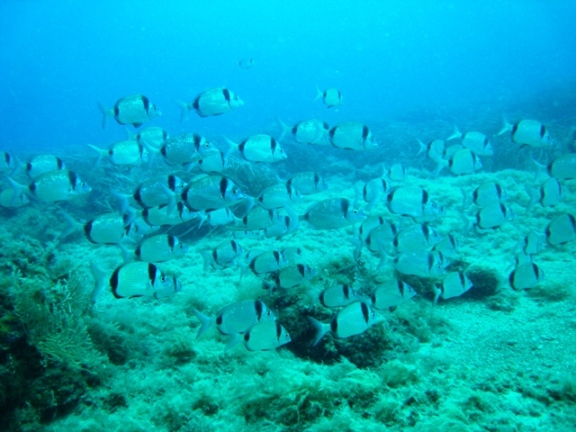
(339,295)
(8,199)
(413,201)
(133,109)
(266,335)
(561,230)
(159,248)
(258,218)
(220,217)
(525,276)
(212,102)
(292,276)
(396,172)
(246,63)
(421,263)
(353,320)
(278,195)
(448,246)
(259,148)
(493,216)
(449,152)
(308,183)
(549,194)
(416,237)
(160,216)
(223,255)
(391,294)
(453,284)
(266,262)
(236,319)
(43,164)
(52,186)
(157,191)
(331,96)
(352,136)
(287,225)
(371,191)
(488,193)
(152,138)
(186,148)
(310,131)
(475,141)
(332,213)
(434,149)
(139,279)
(532,243)
(464,162)
(213,163)
(127,152)
(108,228)
(563,167)
(530,133)
(379,240)
(211,192)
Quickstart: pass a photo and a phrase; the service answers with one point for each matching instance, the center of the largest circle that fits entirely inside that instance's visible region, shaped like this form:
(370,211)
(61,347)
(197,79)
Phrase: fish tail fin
(184,109)
(71,225)
(320,328)
(205,322)
(506,127)
(106,113)
(127,255)
(129,215)
(285,129)
(233,340)
(123,198)
(101,152)
(19,189)
(99,282)
(437,293)
(440,166)
(540,168)
(533,194)
(319,93)
(423,147)
(232,146)
(466,222)
(455,135)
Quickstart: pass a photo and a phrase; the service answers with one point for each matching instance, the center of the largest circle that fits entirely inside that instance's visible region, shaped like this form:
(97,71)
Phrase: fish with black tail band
(532,243)
(396,172)
(493,216)
(416,237)
(332,213)
(52,186)
(549,194)
(235,319)
(160,248)
(462,162)
(308,183)
(219,217)
(528,133)
(563,167)
(278,195)
(210,192)
(488,193)
(475,141)
(339,295)
(352,136)
(136,279)
(42,164)
(413,201)
(331,97)
(266,262)
(213,163)
(434,149)
(390,294)
(287,225)
(310,131)
(186,149)
(379,241)
(561,229)
(127,152)
(453,284)
(353,320)
(371,191)
(266,335)
(259,148)
(421,263)
(212,102)
(108,228)
(448,246)
(160,216)
(525,276)
(130,110)
(258,218)
(7,163)
(158,191)
(224,254)
(152,138)
(291,276)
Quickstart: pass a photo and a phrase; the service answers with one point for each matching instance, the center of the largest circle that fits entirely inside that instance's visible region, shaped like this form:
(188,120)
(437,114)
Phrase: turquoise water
(493,358)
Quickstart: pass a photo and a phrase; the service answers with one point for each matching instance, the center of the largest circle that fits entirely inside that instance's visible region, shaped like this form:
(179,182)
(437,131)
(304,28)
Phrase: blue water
(58,59)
